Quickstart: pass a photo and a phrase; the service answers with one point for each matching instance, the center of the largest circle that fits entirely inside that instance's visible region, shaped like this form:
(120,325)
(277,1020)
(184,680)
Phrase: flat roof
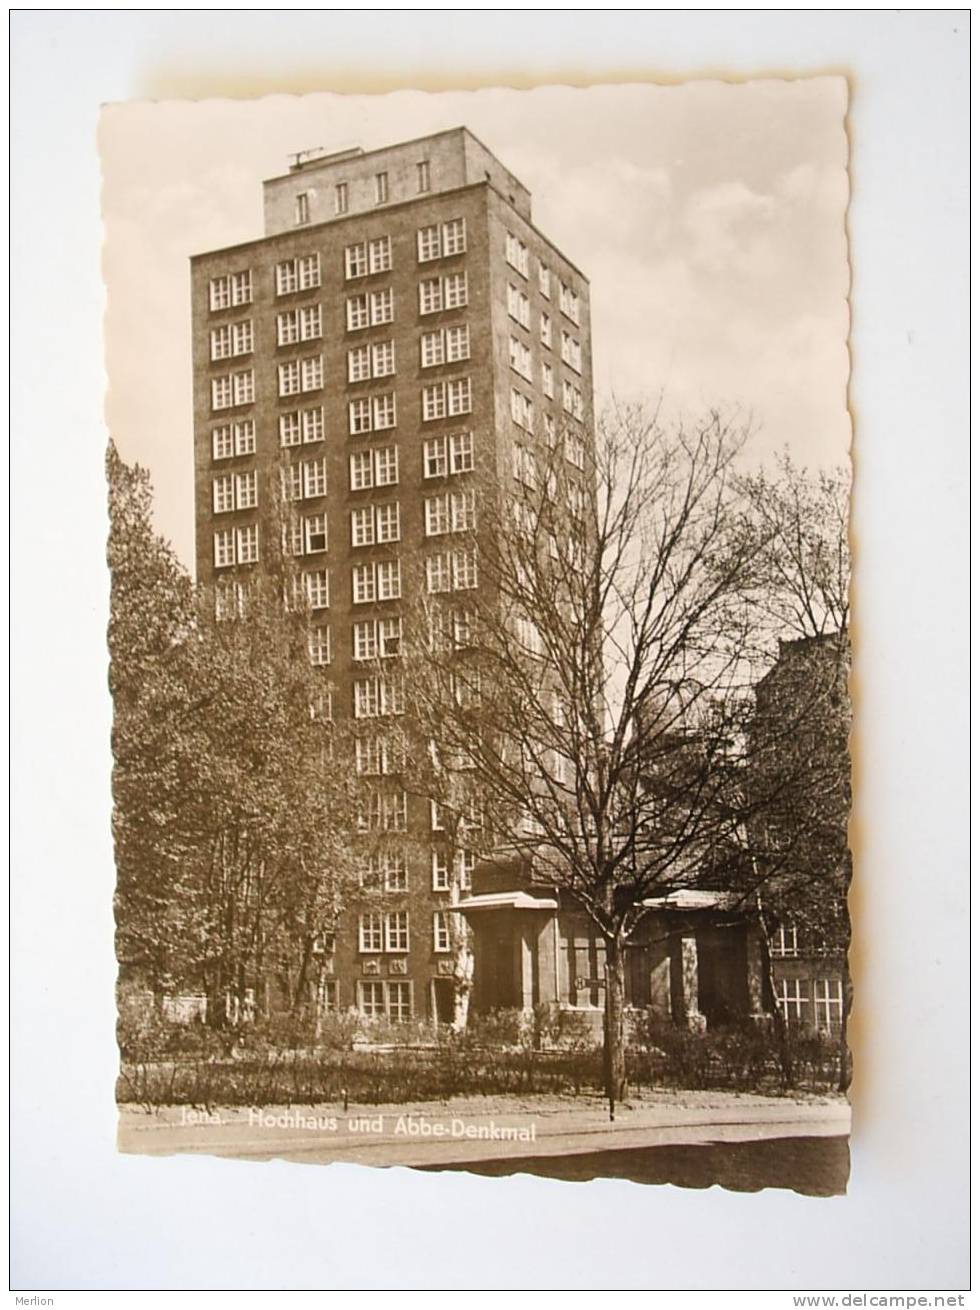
(337,156)
(398,204)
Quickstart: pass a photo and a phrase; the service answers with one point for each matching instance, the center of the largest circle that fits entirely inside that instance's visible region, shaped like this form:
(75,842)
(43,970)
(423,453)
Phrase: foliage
(232,801)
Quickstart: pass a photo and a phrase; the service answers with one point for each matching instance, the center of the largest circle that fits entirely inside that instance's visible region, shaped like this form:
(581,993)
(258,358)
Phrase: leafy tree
(233,805)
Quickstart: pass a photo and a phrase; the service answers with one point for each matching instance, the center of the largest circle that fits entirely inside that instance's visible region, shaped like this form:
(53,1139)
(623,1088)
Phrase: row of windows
(376,580)
(517,256)
(366,309)
(443,346)
(388,871)
(388,931)
(443,399)
(436,241)
(341,192)
(442,456)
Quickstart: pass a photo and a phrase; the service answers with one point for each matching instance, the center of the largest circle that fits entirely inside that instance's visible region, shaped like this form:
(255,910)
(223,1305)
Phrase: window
(234,439)
(300,274)
(370,936)
(385,870)
(575,450)
(377,360)
(383,359)
(375,757)
(340,198)
(521,410)
(424,175)
(571,399)
(791,997)
(516,254)
(247,543)
(465,864)
(383,411)
(440,932)
(451,571)
(429,241)
(301,375)
(233,389)
(445,346)
(223,494)
(302,207)
(569,302)
(314,477)
(230,289)
(316,588)
(379,580)
(396,930)
(544,281)
(368,257)
(305,324)
(374,468)
(445,455)
(828,1004)
(380,1000)
(301,426)
(381,188)
(518,306)
(371,414)
(440,871)
(314,533)
(247,490)
(546,330)
(381,811)
(442,239)
(375,523)
(372,997)
(450,292)
(528,635)
(230,600)
(453,512)
(446,398)
(387,467)
(379,697)
(292,482)
(785,942)
(548,380)
(231,339)
(525,466)
(376,638)
(362,526)
(224,548)
(571,351)
(520,358)
(455,293)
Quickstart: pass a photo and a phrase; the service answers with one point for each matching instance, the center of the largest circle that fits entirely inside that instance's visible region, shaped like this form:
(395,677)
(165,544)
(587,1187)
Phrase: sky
(709,217)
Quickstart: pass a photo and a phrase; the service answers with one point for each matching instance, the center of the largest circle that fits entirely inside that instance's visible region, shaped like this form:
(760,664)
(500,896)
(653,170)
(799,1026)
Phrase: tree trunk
(614,1052)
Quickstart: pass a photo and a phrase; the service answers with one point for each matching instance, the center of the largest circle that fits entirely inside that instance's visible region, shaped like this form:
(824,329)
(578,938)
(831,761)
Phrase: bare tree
(796,778)
(588,696)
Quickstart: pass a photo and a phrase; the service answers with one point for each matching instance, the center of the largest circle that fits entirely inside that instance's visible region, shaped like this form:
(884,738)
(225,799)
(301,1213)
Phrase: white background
(85,1217)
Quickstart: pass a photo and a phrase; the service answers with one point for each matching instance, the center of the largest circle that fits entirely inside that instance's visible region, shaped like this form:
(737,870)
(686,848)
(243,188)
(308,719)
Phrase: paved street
(494,1134)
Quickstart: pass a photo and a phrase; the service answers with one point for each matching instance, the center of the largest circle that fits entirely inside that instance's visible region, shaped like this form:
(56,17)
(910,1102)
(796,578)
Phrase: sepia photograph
(479,630)
(489,530)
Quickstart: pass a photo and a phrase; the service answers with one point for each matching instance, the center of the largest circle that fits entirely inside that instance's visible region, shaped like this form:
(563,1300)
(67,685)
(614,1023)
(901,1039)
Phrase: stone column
(754,974)
(691,1016)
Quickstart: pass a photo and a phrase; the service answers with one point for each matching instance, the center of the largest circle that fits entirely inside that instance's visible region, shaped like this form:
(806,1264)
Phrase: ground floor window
(828,1004)
(385,1000)
(791,997)
(329,999)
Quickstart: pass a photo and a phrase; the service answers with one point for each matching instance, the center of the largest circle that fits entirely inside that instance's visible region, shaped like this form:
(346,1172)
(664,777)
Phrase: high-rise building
(401,333)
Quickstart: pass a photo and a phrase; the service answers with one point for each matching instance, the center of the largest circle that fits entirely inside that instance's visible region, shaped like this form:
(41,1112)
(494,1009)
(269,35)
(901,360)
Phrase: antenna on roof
(299,157)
